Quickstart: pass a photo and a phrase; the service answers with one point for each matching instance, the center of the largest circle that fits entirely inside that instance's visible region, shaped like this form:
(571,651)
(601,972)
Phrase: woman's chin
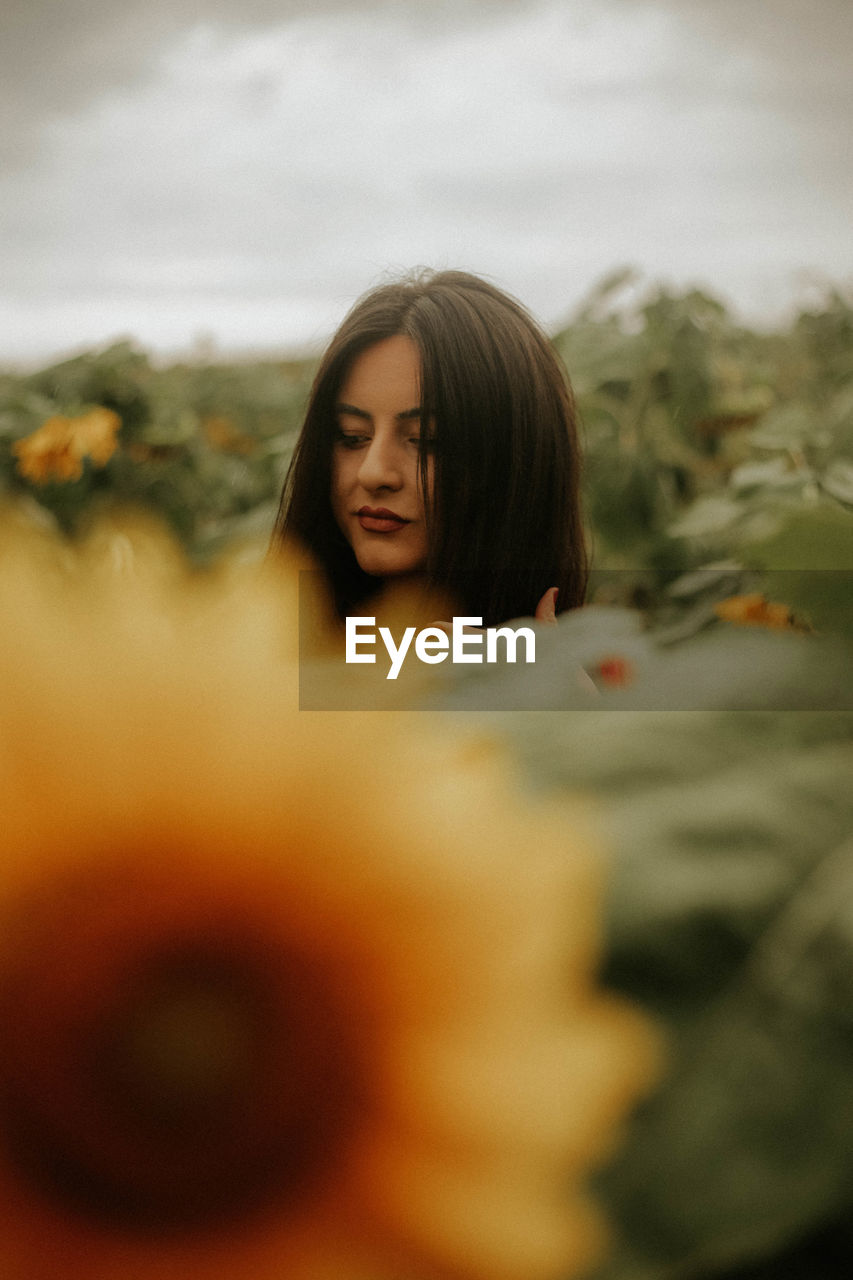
(386,566)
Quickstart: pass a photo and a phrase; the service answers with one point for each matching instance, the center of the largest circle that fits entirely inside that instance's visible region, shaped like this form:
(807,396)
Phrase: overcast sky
(179,170)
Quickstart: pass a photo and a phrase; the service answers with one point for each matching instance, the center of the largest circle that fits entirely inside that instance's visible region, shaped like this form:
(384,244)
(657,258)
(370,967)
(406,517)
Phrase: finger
(546,609)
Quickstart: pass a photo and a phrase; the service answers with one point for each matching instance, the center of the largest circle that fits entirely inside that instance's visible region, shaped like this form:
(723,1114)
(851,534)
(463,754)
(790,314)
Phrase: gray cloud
(54,56)
(810,36)
(58,55)
(185,168)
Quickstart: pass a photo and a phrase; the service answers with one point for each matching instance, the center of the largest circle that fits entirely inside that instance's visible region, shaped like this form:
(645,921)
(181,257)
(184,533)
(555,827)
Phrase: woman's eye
(350,439)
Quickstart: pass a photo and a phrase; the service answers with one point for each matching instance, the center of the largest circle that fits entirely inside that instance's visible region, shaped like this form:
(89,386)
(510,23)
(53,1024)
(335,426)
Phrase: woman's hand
(546,609)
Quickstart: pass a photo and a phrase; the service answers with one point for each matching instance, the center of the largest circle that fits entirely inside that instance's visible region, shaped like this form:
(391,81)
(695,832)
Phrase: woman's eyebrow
(350,409)
(354,412)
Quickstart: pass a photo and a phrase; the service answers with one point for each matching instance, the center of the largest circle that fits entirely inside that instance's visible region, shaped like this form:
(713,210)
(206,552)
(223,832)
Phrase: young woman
(440,440)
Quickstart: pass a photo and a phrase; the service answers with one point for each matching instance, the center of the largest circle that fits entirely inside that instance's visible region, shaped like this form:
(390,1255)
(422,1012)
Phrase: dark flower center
(168,1069)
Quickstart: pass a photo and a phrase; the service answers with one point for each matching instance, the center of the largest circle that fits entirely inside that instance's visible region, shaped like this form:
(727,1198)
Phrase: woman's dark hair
(503,521)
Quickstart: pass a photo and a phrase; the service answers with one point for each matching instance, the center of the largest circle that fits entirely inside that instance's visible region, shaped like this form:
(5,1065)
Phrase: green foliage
(708,444)
(204,448)
(732,917)
(731,920)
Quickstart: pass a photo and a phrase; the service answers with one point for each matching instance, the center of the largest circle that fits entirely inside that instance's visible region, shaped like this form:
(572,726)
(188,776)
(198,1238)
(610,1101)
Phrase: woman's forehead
(385,377)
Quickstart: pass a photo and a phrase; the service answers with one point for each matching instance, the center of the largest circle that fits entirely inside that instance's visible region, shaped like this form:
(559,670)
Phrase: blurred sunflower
(57,449)
(755,610)
(280,994)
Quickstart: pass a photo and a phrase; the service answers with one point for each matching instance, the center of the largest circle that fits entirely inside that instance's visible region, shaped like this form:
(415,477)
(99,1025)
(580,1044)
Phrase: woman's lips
(380,520)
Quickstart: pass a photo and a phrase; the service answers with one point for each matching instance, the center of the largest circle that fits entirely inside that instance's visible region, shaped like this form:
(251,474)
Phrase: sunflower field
(544,973)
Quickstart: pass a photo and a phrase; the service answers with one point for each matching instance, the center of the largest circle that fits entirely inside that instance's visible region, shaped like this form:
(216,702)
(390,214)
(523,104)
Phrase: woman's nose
(381,466)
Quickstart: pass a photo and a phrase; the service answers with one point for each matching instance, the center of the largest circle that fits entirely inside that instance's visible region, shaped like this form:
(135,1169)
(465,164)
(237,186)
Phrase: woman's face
(376,491)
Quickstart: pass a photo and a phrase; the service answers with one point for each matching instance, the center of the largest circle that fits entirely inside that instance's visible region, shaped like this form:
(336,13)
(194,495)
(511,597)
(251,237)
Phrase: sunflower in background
(755,610)
(281,994)
(58,448)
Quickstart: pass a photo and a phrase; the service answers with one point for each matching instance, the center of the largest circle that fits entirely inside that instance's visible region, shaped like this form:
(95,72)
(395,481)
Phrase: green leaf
(815,546)
(731,919)
(749,1143)
(773,472)
(837,480)
(715,513)
(785,427)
